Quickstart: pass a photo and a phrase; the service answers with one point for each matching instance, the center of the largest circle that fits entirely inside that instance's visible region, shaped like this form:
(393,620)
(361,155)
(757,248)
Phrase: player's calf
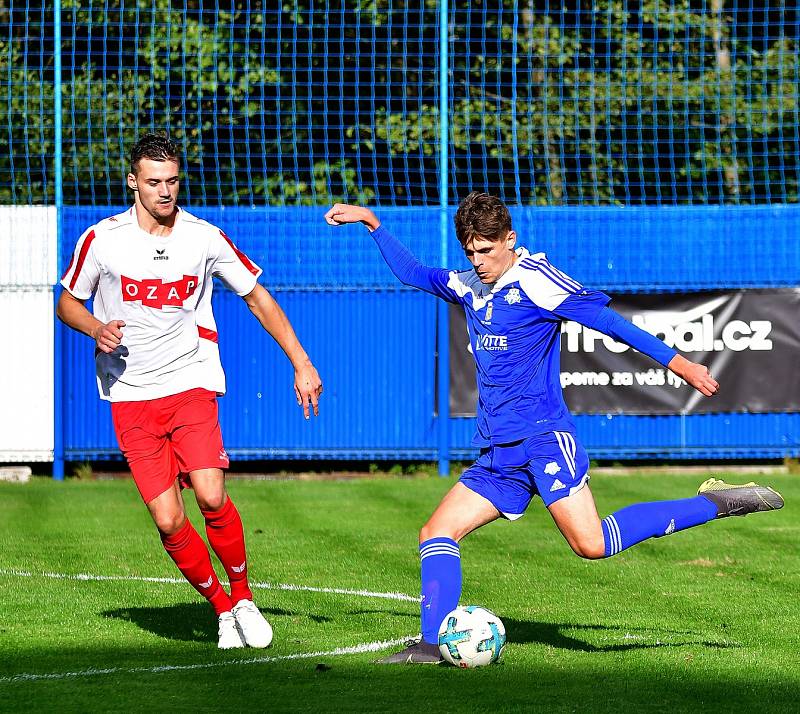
(633,524)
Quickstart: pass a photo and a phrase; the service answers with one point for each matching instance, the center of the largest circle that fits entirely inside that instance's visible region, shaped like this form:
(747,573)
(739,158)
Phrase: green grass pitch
(704,620)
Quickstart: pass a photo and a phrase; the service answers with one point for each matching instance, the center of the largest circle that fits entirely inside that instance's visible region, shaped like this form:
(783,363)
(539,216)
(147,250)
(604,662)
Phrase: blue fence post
(58,333)
(443,321)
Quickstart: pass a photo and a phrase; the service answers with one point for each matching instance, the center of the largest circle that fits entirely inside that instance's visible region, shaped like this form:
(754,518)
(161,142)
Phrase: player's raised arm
(569,300)
(611,323)
(695,374)
(307,383)
(405,266)
(343,213)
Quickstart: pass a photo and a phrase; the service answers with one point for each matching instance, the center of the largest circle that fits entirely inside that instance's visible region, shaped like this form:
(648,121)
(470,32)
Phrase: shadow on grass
(189,622)
(553,634)
(620,639)
(192,622)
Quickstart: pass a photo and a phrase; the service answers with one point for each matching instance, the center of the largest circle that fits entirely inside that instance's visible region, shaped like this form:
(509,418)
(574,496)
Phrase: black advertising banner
(749,340)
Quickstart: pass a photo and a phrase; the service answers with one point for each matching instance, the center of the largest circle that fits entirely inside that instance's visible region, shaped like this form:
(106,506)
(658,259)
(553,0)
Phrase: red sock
(191,556)
(226,537)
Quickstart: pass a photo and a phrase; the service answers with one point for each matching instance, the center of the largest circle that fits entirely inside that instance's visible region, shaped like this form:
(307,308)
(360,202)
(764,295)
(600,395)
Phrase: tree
(686,101)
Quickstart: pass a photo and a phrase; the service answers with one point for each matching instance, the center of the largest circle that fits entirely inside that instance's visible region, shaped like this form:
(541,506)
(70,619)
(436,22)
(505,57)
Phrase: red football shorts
(163,439)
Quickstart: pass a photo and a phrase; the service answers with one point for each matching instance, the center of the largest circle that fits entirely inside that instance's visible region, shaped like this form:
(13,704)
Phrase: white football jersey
(160,286)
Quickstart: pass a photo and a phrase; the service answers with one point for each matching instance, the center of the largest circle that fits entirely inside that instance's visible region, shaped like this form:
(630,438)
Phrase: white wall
(27,246)
(27,276)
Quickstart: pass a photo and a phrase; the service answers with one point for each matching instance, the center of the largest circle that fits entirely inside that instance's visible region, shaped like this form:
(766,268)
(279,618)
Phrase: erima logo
(670,527)
(557,485)
(491,343)
(223,455)
(552,469)
(207,583)
(158,294)
(160,255)
(513,296)
(240,568)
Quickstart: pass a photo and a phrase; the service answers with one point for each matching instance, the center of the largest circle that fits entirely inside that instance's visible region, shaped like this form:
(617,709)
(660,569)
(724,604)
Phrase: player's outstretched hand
(308,389)
(342,213)
(109,336)
(696,375)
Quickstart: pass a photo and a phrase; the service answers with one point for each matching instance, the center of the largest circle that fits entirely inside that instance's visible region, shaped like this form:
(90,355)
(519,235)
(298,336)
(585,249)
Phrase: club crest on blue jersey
(513,296)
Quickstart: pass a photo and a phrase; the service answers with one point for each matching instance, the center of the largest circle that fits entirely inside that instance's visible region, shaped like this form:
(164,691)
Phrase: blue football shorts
(553,465)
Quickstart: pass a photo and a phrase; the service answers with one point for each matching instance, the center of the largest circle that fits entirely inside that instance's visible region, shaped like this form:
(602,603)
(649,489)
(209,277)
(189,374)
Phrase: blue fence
(374,342)
(645,146)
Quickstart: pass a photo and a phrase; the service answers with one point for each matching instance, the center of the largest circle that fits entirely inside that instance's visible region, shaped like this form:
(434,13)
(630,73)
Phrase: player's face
(156,184)
(491,258)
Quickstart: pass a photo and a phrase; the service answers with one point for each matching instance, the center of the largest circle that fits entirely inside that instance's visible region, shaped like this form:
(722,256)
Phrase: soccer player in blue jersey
(515,302)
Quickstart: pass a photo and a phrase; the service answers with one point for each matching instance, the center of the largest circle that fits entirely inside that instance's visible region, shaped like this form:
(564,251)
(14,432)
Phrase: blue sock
(633,524)
(440,563)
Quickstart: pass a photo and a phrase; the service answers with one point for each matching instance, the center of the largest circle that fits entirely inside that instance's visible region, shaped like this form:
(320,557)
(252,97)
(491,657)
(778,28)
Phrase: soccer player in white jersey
(515,302)
(150,270)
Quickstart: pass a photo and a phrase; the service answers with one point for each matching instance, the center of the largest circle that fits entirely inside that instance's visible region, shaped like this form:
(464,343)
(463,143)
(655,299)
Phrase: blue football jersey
(514,331)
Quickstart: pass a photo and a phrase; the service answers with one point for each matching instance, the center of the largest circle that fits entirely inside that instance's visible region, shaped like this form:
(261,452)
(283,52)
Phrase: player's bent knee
(211,503)
(169,523)
(430,530)
(589,549)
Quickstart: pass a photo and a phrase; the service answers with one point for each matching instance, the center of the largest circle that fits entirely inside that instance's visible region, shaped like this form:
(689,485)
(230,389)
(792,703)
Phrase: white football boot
(229,635)
(256,631)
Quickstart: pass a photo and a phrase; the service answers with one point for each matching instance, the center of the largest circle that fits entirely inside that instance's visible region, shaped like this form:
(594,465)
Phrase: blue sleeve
(408,270)
(582,305)
(614,325)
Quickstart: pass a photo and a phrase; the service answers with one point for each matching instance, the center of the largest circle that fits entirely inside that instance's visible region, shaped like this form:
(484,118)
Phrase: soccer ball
(471,636)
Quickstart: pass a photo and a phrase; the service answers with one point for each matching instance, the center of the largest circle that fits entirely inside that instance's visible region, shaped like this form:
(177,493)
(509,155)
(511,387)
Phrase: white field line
(181,581)
(339,651)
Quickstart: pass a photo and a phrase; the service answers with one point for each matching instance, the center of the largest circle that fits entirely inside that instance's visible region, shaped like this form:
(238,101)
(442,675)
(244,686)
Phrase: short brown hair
(480,214)
(156,147)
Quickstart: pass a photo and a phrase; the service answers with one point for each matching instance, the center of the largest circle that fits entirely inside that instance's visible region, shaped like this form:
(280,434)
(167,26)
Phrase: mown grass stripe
(338,652)
(180,581)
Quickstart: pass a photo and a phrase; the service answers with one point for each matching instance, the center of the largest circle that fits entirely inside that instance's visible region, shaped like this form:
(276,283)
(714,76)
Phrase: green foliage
(662,102)
(83,471)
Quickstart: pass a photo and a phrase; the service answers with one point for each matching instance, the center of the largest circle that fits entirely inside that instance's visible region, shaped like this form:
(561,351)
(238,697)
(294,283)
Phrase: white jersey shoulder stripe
(542,289)
(467,283)
(540,262)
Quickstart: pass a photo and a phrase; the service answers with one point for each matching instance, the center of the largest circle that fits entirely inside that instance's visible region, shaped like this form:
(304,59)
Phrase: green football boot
(733,500)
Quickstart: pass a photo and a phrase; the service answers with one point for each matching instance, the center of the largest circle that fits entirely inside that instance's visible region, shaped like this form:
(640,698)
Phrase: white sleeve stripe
(556,276)
(561,273)
(546,267)
(564,275)
(535,267)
